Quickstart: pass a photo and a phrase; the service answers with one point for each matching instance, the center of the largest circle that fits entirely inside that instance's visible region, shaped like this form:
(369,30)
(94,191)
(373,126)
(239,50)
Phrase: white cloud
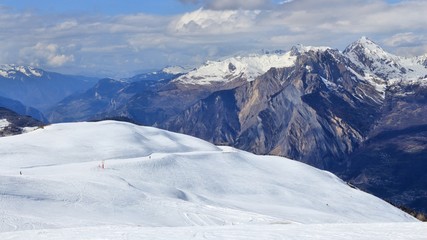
(45,54)
(231,5)
(66,25)
(213,22)
(406,39)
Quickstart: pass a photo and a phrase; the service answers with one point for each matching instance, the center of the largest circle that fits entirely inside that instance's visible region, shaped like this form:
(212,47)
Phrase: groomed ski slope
(154,178)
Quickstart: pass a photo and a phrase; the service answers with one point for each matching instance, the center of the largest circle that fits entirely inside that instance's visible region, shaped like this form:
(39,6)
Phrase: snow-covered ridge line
(245,67)
(380,67)
(9,70)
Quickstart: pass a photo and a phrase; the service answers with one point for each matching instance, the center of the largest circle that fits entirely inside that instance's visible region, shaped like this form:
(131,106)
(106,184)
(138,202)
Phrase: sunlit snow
(110,180)
(247,67)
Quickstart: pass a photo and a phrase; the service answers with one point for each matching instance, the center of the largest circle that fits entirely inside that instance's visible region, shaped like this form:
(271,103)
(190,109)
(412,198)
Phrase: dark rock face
(392,162)
(16,122)
(290,112)
(215,118)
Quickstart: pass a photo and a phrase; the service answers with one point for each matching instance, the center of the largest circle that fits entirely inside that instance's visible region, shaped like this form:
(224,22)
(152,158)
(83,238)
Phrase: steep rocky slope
(392,161)
(316,111)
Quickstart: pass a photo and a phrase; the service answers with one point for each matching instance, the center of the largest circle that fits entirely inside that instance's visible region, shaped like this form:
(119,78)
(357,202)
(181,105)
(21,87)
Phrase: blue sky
(111,7)
(121,38)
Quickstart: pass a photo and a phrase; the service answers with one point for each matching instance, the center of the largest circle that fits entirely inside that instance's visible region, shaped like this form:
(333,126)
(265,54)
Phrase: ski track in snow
(158,184)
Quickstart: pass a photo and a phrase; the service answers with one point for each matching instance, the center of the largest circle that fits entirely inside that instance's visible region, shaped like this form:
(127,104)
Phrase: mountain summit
(381,66)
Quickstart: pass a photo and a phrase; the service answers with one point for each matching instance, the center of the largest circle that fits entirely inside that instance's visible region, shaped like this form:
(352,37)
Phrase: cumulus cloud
(46,54)
(214,22)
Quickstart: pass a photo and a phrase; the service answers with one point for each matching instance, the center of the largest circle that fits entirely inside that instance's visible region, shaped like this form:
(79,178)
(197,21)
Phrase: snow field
(155,178)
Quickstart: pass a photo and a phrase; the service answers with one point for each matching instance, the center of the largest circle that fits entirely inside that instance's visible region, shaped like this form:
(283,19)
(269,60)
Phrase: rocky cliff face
(315,111)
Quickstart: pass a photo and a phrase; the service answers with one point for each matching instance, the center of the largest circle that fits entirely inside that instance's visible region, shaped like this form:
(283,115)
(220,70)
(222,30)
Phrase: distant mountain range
(360,113)
(38,88)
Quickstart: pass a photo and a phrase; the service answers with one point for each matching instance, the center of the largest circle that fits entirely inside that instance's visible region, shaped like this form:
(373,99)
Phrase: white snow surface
(247,67)
(375,231)
(177,184)
(4,123)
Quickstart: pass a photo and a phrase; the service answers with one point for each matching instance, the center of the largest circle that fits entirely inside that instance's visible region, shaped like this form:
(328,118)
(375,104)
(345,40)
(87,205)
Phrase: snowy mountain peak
(238,67)
(11,71)
(367,47)
(381,66)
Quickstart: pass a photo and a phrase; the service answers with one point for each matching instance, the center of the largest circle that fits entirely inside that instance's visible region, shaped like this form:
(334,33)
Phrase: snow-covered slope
(248,67)
(108,173)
